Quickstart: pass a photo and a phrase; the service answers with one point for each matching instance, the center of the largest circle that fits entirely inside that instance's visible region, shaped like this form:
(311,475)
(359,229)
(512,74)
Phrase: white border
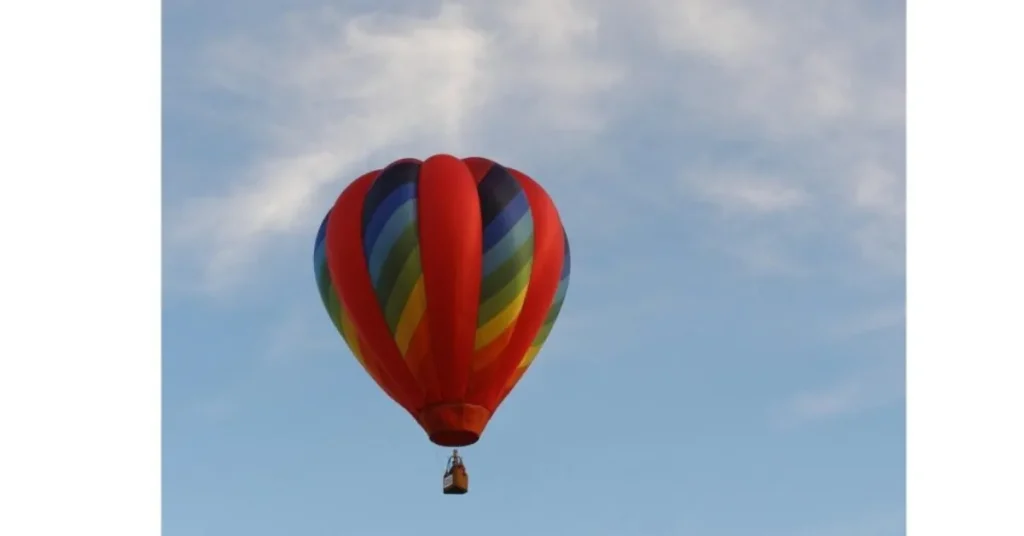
(80,277)
(79,218)
(966,265)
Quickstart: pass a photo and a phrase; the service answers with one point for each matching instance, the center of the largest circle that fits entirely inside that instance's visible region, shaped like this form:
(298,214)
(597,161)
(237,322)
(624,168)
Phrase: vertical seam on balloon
(444,194)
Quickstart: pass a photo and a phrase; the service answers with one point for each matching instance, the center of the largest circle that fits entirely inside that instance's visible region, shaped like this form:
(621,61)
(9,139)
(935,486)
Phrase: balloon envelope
(444,278)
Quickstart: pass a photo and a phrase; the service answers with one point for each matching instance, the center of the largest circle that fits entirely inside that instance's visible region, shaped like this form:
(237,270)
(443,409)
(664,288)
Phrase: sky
(729,360)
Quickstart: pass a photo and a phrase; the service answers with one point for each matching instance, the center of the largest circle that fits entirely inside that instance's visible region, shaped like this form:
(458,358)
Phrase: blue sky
(730,357)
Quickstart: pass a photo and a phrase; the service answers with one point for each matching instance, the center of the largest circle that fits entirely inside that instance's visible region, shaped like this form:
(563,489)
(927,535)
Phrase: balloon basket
(456,481)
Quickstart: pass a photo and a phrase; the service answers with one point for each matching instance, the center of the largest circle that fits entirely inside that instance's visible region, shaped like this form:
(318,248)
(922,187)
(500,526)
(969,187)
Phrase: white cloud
(725,32)
(814,88)
(764,255)
(300,333)
(864,390)
(217,409)
(336,92)
(789,68)
(874,382)
(845,397)
(749,194)
(872,321)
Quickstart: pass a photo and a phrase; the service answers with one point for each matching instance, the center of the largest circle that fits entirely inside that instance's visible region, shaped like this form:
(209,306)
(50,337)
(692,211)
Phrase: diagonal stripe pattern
(507,256)
(391,245)
(549,321)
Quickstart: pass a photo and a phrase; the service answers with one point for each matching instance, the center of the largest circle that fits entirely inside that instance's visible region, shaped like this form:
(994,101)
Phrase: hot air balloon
(444,277)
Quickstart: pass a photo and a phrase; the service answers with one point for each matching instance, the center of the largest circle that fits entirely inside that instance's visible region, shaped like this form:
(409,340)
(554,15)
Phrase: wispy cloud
(870,382)
(749,195)
(217,409)
(300,333)
(813,92)
(871,321)
(791,70)
(865,389)
(338,93)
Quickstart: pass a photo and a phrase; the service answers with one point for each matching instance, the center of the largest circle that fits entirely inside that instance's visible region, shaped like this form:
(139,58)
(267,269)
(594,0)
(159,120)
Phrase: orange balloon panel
(444,277)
